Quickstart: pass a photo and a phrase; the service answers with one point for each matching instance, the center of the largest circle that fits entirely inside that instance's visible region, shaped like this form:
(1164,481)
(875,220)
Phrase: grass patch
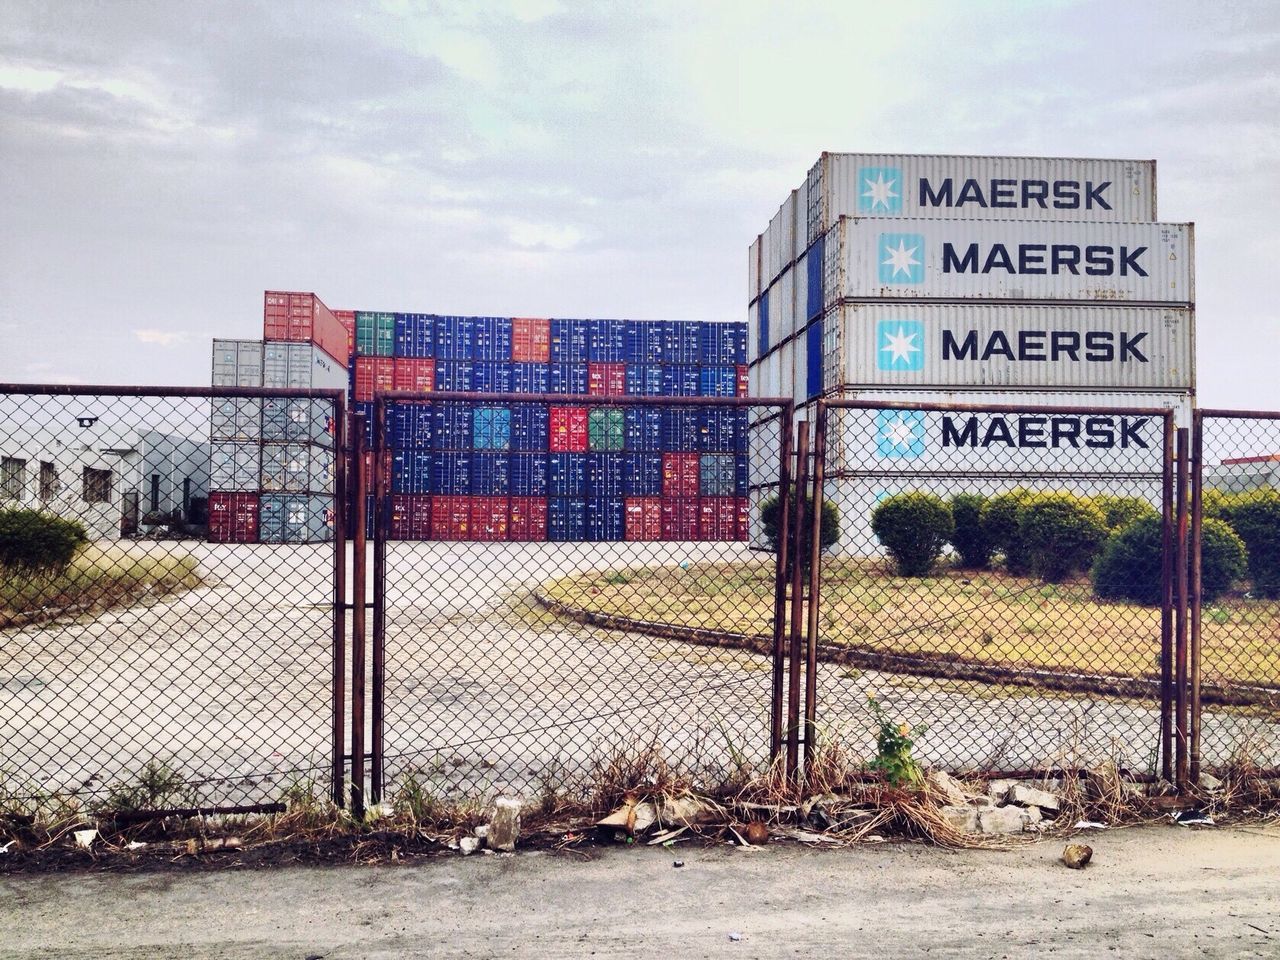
(99,578)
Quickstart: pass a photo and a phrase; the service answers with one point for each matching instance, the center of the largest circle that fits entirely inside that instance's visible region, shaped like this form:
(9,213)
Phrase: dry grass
(983,616)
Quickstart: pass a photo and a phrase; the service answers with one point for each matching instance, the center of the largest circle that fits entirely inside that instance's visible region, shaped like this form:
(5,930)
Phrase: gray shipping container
(300,365)
(236,363)
(298,420)
(293,518)
(235,466)
(296,468)
(236,419)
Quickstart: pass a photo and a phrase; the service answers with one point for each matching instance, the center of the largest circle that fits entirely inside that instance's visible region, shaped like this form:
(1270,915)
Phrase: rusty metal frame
(358,606)
(795,568)
(1167,523)
(1181,705)
(815,587)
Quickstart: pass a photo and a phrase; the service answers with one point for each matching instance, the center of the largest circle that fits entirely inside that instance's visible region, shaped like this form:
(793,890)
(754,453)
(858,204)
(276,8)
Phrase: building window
(97,485)
(13,478)
(155,493)
(49,485)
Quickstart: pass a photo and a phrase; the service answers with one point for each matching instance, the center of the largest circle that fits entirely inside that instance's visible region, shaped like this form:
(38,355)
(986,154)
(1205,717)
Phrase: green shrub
(1129,566)
(1215,504)
(828,536)
(1060,534)
(1255,516)
(970,540)
(34,542)
(1118,512)
(999,523)
(913,527)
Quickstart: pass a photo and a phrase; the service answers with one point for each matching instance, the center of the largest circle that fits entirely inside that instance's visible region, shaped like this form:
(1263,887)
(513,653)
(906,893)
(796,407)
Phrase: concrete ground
(1163,891)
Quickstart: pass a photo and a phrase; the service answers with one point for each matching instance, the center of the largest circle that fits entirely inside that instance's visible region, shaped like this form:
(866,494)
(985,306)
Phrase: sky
(164,163)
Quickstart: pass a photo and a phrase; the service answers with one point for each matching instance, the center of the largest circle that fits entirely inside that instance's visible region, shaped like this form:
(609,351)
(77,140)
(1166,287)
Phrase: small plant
(969,539)
(157,787)
(32,542)
(894,743)
(828,535)
(913,527)
(1060,534)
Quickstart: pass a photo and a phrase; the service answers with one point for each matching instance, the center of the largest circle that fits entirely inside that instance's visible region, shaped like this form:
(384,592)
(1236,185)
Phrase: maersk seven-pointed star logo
(901,257)
(900,434)
(880,190)
(900,345)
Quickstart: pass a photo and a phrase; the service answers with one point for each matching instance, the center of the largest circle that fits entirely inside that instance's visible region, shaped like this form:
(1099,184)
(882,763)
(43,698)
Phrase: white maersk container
(1008,260)
(784,239)
(1021,346)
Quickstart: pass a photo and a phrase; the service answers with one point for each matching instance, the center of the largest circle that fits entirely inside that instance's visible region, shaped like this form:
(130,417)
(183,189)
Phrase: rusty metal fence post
(381,520)
(1197,518)
(358,579)
(1168,517)
(814,581)
(795,562)
(1180,614)
(338,679)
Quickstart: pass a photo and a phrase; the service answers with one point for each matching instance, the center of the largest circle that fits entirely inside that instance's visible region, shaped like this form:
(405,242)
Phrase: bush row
(33,542)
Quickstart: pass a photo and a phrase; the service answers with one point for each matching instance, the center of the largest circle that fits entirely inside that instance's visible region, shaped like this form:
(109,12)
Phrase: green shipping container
(605,429)
(375,334)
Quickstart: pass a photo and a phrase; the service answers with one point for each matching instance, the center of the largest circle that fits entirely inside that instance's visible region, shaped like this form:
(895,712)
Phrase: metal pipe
(357,620)
(1180,615)
(796,567)
(780,588)
(381,519)
(1239,414)
(1197,526)
(338,680)
(585,400)
(109,390)
(815,582)
(850,404)
(1166,605)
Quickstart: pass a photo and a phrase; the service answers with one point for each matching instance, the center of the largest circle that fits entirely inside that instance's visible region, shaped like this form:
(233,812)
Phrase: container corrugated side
(1013,260)
(753,269)
(778,242)
(301,365)
(1036,346)
(980,188)
(237,363)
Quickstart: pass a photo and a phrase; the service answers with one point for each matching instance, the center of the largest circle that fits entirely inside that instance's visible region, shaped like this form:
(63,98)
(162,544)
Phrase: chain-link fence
(566,583)
(979,585)
(1235,646)
(167,626)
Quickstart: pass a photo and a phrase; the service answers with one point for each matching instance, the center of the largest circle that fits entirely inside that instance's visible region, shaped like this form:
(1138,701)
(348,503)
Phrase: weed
(894,745)
(157,787)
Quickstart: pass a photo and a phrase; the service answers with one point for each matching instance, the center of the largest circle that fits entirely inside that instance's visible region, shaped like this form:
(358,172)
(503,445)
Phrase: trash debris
(807,836)
(4,848)
(85,838)
(633,816)
(1090,825)
(468,845)
(667,837)
(735,936)
(757,833)
(1077,855)
(198,845)
(677,863)
(684,811)
(1193,818)
(1210,783)
(135,845)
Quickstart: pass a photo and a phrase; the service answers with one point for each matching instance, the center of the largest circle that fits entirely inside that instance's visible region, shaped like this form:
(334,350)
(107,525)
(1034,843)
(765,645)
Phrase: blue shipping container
(814,358)
(567,518)
(605,472)
(642,476)
(530,378)
(490,474)
(492,428)
(493,339)
(529,474)
(763,312)
(642,428)
(569,341)
(415,335)
(680,380)
(567,474)
(530,427)
(490,376)
(409,426)
(455,376)
(451,474)
(364,408)
(738,336)
(606,341)
(644,341)
(455,338)
(813,269)
(568,378)
(410,471)
(644,379)
(682,341)
(606,518)
(451,426)
(722,430)
(681,429)
(717,382)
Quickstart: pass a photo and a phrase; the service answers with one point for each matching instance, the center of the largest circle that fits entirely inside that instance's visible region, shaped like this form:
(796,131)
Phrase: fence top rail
(942,407)
(581,399)
(118,390)
(1217,414)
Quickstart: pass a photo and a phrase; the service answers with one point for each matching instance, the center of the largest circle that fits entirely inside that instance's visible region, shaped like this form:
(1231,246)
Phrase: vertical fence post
(781,558)
(815,580)
(357,617)
(381,494)
(1197,520)
(796,566)
(1167,516)
(338,682)
(1180,616)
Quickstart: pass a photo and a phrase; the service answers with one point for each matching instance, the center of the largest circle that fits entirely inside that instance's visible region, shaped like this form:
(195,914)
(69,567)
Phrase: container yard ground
(1154,891)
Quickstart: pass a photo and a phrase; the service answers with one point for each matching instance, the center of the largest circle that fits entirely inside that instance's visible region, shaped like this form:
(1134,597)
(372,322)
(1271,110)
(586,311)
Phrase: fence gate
(1013,657)
(189,655)
(572,587)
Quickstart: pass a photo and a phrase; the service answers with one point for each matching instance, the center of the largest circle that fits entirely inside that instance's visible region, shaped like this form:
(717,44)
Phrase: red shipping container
(418,375)
(489,518)
(348,320)
(372,374)
(744,384)
(410,517)
(722,518)
(530,340)
(680,519)
(233,517)
(606,379)
(528,518)
(568,429)
(680,474)
(303,316)
(644,518)
(450,518)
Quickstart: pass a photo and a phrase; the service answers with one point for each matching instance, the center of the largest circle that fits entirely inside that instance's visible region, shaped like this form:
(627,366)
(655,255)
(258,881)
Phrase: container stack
(953,279)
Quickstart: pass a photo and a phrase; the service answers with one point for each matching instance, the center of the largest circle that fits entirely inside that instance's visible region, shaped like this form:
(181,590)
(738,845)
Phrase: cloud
(544,235)
(163,338)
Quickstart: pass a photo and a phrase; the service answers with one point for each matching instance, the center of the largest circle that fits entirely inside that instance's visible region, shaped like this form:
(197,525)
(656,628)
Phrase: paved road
(1161,891)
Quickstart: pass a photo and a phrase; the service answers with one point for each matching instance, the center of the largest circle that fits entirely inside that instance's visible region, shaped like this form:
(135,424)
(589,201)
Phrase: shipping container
(492,428)
(569,341)
(450,518)
(233,517)
(493,339)
(451,426)
(237,363)
(296,518)
(303,317)
(414,375)
(765,340)
(606,519)
(373,375)
(415,336)
(455,376)
(296,468)
(778,243)
(375,334)
(754,286)
(298,420)
(489,518)
(410,472)
(722,475)
(567,474)
(644,341)
(451,472)
(1010,260)
(680,380)
(606,341)
(529,474)
(490,474)
(568,377)
(530,340)
(348,320)
(679,518)
(722,518)
(642,428)
(409,426)
(568,429)
(742,386)
(235,466)
(607,379)
(1037,346)
(530,378)
(642,475)
(643,518)
(717,381)
(530,427)
(813,360)
(680,475)
(682,341)
(644,379)
(814,293)
(528,519)
(410,517)
(235,418)
(605,474)
(301,366)
(606,428)
(566,519)
(491,376)
(724,344)
(681,429)
(455,339)
(364,411)
(722,430)
(977,188)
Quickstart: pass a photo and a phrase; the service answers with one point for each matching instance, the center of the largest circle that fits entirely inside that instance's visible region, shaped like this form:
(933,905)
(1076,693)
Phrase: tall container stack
(1012,280)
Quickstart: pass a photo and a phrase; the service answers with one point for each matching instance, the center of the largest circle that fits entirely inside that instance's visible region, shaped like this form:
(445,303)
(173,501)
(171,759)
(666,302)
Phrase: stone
(961,817)
(468,845)
(946,787)
(504,824)
(1209,782)
(482,832)
(1004,820)
(997,790)
(1026,796)
(1077,855)
(982,802)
